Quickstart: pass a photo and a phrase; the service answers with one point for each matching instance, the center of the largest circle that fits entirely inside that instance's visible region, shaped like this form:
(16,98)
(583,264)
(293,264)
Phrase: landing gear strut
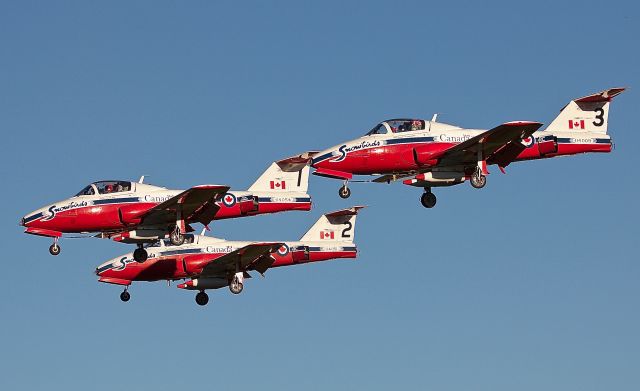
(478,179)
(344,191)
(140,254)
(125,296)
(54,249)
(428,199)
(176,237)
(202,298)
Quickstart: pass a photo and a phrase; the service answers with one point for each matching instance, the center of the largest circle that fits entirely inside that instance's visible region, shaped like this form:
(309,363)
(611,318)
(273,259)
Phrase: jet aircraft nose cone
(25,222)
(101,269)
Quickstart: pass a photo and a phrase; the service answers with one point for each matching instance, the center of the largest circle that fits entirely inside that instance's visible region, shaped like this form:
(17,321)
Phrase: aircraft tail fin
(587,114)
(336,226)
(278,178)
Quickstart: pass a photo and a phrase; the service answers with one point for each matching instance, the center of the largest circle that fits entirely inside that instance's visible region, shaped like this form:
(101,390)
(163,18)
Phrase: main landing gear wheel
(236,286)
(176,237)
(140,255)
(428,199)
(344,192)
(478,180)
(202,298)
(54,249)
(125,296)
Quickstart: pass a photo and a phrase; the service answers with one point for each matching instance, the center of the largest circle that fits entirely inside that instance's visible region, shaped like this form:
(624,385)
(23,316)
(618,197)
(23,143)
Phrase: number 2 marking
(599,117)
(345,232)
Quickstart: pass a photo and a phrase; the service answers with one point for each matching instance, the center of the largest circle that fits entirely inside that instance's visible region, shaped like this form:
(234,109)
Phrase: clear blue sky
(530,283)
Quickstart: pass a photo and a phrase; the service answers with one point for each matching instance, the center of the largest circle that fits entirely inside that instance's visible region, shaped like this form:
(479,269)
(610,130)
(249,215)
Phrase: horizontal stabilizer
(346,212)
(297,162)
(602,96)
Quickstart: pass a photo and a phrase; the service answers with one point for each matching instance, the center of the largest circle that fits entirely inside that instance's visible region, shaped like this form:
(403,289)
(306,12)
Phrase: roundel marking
(528,141)
(229,200)
(283,250)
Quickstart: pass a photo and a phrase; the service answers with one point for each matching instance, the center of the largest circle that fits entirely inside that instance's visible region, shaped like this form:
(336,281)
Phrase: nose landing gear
(344,191)
(125,296)
(54,249)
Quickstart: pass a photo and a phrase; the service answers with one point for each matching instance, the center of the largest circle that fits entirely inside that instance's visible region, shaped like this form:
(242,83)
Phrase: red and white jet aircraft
(131,212)
(211,263)
(429,154)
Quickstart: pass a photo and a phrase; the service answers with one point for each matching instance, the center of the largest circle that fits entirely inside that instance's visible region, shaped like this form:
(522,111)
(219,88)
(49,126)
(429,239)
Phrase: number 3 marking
(599,117)
(345,232)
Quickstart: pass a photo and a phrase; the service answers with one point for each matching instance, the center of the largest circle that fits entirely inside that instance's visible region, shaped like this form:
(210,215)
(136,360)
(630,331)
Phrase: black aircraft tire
(176,238)
(140,255)
(428,200)
(344,192)
(125,296)
(202,298)
(54,249)
(478,181)
(238,288)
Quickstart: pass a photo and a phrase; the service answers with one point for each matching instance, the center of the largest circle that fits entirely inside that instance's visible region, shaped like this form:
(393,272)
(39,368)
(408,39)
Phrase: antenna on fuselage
(204,230)
(434,118)
(141,180)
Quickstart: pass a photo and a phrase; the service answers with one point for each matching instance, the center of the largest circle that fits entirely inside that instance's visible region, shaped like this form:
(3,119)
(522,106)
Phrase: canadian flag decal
(326,235)
(278,185)
(576,124)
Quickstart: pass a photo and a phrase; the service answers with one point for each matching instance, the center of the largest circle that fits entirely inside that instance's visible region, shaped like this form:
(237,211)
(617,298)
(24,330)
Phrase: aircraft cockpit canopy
(398,126)
(105,187)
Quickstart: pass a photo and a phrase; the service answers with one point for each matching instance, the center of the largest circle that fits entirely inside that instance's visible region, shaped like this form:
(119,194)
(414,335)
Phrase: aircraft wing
(198,205)
(254,256)
(497,144)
